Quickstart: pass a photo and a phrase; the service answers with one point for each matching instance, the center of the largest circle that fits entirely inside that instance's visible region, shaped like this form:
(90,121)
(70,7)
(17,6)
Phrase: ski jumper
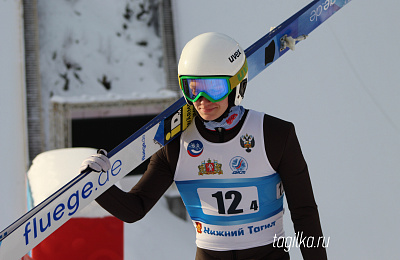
(285,157)
(231,191)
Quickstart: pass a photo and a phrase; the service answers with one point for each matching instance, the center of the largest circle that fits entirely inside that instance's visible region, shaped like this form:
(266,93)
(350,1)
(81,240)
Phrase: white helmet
(215,54)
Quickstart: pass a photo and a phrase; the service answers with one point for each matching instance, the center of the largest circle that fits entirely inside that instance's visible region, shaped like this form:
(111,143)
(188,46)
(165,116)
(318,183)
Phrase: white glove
(98,162)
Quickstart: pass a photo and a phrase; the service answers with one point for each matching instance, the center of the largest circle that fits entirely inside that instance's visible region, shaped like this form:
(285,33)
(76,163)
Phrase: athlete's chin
(209,118)
(208,115)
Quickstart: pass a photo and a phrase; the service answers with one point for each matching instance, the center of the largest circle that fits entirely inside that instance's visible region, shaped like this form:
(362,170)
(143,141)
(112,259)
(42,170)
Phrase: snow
(340,88)
(91,52)
(88,42)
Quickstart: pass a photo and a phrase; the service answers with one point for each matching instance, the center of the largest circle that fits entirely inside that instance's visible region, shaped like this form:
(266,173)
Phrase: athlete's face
(208,110)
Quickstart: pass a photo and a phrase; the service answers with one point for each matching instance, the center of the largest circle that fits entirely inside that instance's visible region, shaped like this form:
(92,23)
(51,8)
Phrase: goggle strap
(239,76)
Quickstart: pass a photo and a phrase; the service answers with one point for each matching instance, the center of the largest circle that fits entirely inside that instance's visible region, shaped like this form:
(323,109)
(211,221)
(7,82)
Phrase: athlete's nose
(203,100)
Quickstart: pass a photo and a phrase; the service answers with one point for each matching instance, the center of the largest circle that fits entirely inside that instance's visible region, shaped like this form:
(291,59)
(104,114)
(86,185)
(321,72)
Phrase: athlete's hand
(98,162)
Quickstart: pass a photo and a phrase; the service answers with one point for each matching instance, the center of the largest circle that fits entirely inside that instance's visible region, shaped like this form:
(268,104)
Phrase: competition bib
(231,192)
(232,201)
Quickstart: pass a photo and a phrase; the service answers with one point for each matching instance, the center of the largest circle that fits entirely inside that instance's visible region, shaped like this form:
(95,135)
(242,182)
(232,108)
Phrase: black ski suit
(284,153)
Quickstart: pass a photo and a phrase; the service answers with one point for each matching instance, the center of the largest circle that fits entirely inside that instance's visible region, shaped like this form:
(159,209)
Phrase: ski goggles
(214,88)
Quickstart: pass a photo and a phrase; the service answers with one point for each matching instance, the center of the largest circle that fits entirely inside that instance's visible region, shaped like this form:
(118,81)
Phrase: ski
(38,223)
